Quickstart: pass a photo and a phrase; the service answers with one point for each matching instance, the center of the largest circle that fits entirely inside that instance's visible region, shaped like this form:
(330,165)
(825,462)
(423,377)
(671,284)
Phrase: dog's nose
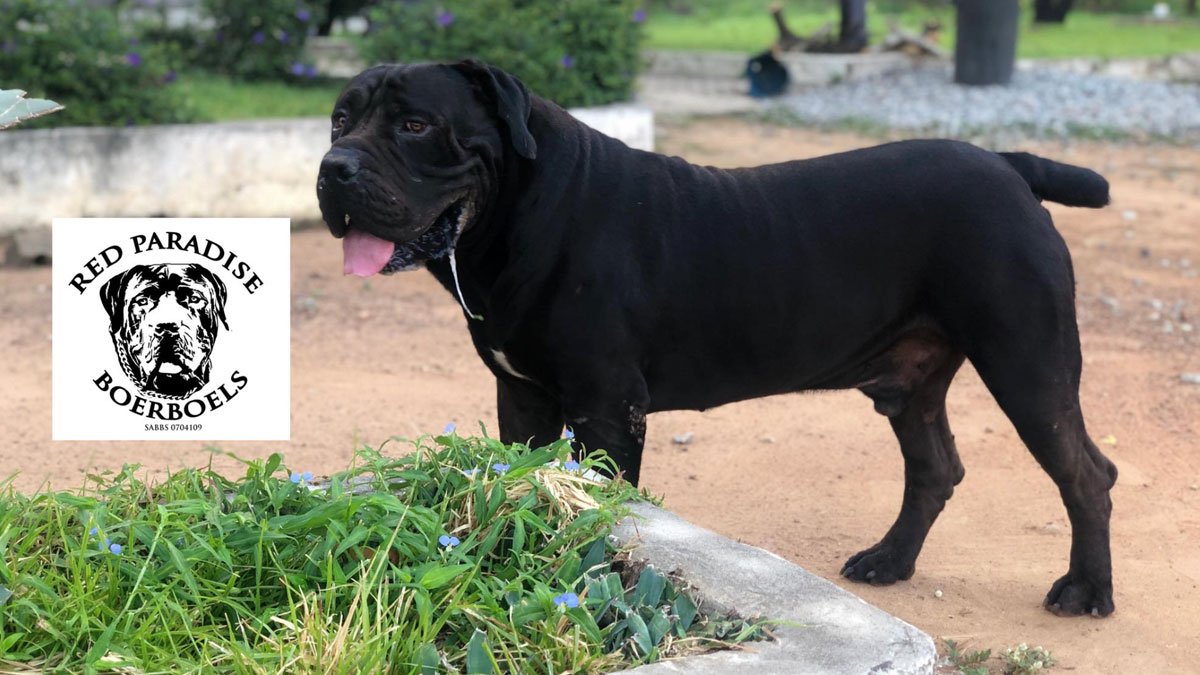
(340,165)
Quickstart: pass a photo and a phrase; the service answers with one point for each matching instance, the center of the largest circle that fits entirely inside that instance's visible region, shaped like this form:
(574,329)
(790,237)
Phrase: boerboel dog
(602,283)
(163,320)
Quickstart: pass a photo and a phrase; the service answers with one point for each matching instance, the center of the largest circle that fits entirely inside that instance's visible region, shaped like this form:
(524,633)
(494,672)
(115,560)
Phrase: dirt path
(815,477)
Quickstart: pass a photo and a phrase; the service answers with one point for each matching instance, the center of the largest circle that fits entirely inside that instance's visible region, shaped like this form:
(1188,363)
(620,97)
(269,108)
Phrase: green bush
(258,40)
(574,52)
(84,58)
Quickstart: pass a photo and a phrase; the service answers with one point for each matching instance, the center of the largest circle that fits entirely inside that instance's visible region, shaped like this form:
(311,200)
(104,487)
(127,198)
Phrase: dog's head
(417,153)
(163,320)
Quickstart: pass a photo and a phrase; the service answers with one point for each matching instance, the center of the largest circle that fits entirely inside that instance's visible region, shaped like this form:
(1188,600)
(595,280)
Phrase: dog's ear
(112,296)
(511,99)
(202,274)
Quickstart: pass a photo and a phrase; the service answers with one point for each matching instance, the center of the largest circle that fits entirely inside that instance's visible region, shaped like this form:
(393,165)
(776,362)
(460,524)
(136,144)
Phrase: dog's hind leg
(917,412)
(528,413)
(1039,392)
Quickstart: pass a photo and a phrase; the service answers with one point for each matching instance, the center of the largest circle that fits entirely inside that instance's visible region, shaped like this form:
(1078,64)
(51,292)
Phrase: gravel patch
(1039,101)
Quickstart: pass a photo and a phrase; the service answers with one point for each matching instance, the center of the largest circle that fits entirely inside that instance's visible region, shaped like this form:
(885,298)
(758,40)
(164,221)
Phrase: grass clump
(466,555)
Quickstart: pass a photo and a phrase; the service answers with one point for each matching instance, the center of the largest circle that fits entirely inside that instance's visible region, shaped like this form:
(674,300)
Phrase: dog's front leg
(528,413)
(613,423)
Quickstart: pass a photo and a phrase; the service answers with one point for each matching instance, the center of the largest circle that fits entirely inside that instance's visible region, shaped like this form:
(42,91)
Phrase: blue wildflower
(470,472)
(639,16)
(450,427)
(448,541)
(569,599)
(310,71)
(303,15)
(571,465)
(93,531)
(259,37)
(134,59)
(116,549)
(445,18)
(500,467)
(307,476)
(170,77)
(283,36)
(568,434)
(567,61)
(297,69)
(295,477)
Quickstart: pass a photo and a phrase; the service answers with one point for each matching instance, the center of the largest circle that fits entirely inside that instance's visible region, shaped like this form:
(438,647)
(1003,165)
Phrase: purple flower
(307,476)
(568,434)
(170,77)
(295,477)
(445,18)
(103,544)
(134,59)
(283,36)
(8,47)
(303,14)
(449,429)
(297,69)
(133,42)
(567,61)
(93,531)
(447,541)
(258,38)
(568,599)
(470,473)
(500,467)
(116,549)
(639,16)
(310,71)
(571,465)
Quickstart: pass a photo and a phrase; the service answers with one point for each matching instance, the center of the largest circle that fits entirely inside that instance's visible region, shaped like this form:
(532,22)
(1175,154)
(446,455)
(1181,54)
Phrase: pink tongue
(365,253)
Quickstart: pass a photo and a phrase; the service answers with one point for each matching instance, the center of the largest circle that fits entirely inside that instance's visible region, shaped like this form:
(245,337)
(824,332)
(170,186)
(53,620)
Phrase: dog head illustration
(163,320)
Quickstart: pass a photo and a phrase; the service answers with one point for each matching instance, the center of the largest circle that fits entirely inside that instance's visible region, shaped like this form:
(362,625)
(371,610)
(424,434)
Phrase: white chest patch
(502,361)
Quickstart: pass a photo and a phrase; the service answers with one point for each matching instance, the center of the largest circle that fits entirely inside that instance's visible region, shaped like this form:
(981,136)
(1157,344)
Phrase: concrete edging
(262,168)
(837,632)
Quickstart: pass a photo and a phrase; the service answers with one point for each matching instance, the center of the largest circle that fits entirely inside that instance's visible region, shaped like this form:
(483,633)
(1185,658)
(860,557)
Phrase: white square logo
(171,329)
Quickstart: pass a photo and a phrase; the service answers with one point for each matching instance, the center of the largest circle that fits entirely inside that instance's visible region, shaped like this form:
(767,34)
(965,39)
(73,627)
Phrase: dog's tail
(1058,182)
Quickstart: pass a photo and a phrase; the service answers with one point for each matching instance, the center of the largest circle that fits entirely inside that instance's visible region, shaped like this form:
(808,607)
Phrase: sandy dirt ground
(814,478)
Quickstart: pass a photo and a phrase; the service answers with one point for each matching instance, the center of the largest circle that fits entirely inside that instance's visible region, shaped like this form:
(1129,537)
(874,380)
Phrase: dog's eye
(339,121)
(415,127)
(141,300)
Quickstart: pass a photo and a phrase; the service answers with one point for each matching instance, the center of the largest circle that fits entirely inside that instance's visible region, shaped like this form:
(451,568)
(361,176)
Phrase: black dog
(163,323)
(605,283)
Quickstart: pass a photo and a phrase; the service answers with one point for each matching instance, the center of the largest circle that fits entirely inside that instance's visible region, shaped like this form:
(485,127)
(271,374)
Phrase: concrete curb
(262,168)
(834,631)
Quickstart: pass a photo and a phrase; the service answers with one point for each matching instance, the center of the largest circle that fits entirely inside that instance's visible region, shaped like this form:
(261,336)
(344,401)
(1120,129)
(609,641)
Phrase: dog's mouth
(366,254)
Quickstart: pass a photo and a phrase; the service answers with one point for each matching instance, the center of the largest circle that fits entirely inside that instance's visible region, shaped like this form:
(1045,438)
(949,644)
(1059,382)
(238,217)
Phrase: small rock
(767,439)
(1165,262)
(683,439)
(1138,283)
(1154,316)
(1109,440)
(1185,263)
(1156,304)
(363,315)
(1144,252)
(1190,378)
(1168,327)
(938,593)
(1129,215)
(1110,302)
(1194,487)
(1185,327)
(1177,310)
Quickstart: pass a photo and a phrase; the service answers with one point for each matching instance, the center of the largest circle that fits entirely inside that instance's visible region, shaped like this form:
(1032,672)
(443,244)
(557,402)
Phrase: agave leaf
(15,108)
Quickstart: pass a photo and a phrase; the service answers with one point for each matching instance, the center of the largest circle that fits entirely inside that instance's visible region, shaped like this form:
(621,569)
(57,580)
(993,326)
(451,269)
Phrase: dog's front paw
(880,565)
(1073,595)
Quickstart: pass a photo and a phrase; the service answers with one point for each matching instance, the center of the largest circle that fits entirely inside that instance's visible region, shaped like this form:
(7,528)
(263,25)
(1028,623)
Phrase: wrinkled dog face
(163,320)
(416,152)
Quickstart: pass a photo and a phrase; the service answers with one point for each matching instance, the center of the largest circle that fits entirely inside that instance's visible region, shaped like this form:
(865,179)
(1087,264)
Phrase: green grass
(745,26)
(264,574)
(219,99)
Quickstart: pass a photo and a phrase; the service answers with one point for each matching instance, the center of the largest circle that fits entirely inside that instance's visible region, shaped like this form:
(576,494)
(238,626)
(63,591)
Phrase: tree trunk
(1052,11)
(853,35)
(1191,8)
(986,47)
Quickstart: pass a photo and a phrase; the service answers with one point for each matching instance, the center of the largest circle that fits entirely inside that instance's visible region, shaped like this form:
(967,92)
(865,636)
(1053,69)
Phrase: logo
(168,329)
